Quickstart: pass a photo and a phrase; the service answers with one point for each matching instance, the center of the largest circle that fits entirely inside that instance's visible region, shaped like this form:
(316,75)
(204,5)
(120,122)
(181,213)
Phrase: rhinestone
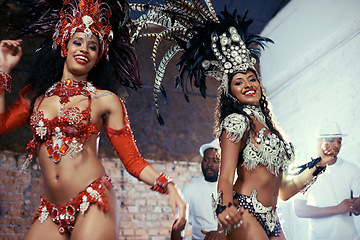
(227,65)
(87,20)
(232,30)
(234,53)
(224,41)
(238,59)
(205,64)
(235,37)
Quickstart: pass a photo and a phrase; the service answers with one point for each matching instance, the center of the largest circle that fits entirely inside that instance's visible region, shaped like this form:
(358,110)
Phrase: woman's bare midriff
(260,179)
(64,180)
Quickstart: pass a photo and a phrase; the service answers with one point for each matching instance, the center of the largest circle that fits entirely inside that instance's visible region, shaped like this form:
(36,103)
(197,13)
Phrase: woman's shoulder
(108,100)
(105,94)
(235,125)
(235,119)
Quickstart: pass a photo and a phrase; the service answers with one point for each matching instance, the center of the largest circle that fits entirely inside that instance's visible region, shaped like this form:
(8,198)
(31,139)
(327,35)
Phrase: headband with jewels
(65,17)
(216,45)
(232,56)
(88,16)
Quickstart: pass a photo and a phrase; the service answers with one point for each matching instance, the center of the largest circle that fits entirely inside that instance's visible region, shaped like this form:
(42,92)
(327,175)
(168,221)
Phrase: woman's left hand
(231,217)
(177,205)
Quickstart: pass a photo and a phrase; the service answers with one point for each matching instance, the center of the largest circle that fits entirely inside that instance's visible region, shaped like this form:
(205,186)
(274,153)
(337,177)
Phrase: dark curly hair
(48,67)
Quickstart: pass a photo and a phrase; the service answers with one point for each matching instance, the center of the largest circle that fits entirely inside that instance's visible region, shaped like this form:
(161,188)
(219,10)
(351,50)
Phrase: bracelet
(318,171)
(219,207)
(5,81)
(309,165)
(161,183)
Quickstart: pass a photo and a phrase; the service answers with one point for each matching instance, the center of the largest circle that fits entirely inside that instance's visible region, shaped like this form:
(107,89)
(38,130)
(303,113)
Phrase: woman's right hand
(231,216)
(10,54)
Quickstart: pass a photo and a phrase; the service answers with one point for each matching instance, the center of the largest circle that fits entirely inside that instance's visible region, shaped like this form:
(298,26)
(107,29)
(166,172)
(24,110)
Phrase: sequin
(66,133)
(65,215)
(88,16)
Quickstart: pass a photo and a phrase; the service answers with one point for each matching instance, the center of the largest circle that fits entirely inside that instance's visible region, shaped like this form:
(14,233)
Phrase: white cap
(214,144)
(330,129)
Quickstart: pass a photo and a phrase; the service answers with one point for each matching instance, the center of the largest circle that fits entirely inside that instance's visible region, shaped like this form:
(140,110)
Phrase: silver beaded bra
(270,150)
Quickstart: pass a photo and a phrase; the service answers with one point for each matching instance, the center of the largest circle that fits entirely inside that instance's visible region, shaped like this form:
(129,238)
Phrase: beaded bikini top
(67,132)
(269,149)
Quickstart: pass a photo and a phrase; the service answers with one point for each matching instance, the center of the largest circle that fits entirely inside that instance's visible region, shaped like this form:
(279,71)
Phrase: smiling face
(246,88)
(81,56)
(335,144)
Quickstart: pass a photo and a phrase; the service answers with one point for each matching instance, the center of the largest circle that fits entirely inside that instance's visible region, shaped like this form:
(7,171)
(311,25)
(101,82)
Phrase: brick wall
(145,215)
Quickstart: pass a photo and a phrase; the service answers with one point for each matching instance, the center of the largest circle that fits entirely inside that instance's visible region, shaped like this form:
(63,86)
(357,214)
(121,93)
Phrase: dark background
(187,125)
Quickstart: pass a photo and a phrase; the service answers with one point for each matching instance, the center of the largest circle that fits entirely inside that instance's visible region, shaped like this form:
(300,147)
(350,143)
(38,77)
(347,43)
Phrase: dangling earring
(233,98)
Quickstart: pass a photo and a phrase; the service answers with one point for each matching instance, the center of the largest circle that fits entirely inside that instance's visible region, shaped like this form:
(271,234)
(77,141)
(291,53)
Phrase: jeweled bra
(67,132)
(270,151)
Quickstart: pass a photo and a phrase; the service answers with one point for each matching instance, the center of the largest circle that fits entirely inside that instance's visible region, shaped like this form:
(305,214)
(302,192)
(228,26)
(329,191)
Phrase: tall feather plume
(183,15)
(194,23)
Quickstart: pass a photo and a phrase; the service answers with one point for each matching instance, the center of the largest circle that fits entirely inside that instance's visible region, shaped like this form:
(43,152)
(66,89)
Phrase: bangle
(316,174)
(319,170)
(161,183)
(309,165)
(218,206)
(5,81)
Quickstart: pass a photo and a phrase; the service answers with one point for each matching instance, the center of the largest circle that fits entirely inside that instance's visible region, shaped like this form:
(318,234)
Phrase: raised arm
(17,114)
(10,54)
(311,171)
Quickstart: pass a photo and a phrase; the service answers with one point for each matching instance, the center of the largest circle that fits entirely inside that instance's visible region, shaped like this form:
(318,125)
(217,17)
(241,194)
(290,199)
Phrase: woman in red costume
(71,95)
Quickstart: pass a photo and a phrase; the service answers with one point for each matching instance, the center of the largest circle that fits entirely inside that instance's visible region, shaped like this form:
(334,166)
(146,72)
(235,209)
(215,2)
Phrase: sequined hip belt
(267,216)
(64,215)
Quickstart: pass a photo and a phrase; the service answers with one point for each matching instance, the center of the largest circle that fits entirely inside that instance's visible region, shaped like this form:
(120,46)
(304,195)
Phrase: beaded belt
(64,215)
(267,216)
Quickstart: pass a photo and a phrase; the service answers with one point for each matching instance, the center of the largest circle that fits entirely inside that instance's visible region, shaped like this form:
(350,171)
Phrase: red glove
(124,144)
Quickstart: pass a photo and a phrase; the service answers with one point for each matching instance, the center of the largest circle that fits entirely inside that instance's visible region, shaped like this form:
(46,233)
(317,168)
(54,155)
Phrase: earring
(233,98)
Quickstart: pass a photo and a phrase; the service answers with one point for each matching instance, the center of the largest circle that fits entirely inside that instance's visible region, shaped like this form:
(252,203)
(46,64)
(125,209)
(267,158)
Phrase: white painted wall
(312,73)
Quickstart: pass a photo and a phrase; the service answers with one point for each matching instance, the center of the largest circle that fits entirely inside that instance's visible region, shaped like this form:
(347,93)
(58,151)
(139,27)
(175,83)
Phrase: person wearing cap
(333,200)
(197,194)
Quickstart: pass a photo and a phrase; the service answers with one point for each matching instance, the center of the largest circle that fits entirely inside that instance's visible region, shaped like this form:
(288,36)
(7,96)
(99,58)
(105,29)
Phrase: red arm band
(124,144)
(15,115)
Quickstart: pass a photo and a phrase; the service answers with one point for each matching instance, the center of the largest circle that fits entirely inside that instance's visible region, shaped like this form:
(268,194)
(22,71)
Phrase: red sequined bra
(66,133)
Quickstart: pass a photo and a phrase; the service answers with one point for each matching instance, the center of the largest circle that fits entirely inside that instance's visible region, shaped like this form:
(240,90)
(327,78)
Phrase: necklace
(256,112)
(68,88)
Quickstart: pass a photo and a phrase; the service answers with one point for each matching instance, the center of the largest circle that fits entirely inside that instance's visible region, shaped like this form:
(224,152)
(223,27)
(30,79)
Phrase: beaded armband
(219,207)
(161,183)
(217,204)
(5,81)
(319,170)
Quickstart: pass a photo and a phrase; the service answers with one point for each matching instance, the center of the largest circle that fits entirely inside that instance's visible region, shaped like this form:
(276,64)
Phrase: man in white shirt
(333,201)
(197,194)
